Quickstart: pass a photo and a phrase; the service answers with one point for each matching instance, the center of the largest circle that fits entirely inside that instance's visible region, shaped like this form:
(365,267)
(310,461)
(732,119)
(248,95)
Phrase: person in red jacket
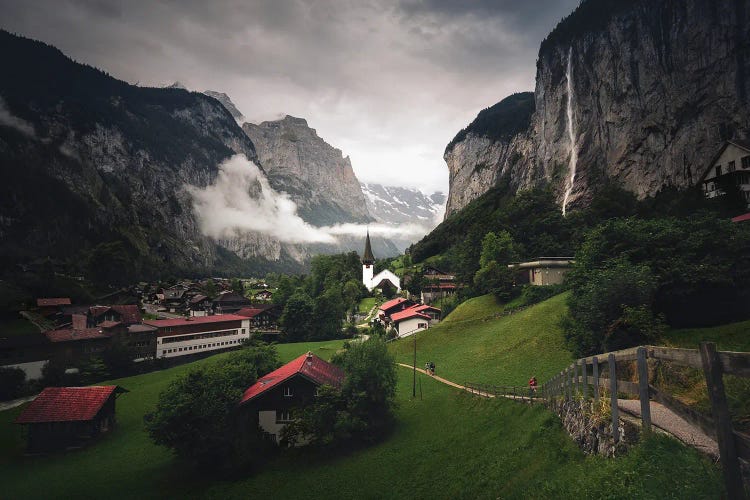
(532,387)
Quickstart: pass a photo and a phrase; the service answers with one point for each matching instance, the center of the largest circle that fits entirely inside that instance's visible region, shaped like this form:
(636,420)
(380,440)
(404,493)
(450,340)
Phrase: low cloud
(8,119)
(241,201)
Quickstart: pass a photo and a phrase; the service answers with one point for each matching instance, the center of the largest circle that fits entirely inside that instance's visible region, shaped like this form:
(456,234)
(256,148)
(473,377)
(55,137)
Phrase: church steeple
(368,258)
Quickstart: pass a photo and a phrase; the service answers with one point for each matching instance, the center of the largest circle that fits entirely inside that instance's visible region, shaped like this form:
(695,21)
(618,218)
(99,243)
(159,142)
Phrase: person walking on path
(532,387)
(432,368)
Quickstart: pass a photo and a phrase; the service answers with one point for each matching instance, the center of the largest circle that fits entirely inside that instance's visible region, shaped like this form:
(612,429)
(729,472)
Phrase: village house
(542,271)
(188,336)
(264,295)
(174,300)
(385,280)
(730,167)
(387,309)
(230,303)
(199,305)
(68,417)
(69,345)
(274,396)
(415,318)
(264,320)
(437,285)
(49,307)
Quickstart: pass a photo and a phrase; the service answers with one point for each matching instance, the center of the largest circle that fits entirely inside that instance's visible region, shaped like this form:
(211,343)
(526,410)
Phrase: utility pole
(414,380)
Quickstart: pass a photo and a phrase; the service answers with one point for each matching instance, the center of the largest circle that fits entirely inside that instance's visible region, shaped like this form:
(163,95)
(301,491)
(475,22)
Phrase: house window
(718,170)
(746,161)
(730,166)
(283,416)
(288,392)
(421,325)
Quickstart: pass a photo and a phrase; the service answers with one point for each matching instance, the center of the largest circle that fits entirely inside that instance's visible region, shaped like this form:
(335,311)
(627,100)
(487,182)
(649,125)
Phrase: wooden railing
(508,391)
(585,377)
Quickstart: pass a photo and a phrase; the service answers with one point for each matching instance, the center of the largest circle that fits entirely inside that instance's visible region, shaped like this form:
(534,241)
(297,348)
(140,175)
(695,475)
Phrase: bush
(196,416)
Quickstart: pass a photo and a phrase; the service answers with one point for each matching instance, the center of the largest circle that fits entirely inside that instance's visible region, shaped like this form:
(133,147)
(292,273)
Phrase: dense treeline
(501,121)
(314,306)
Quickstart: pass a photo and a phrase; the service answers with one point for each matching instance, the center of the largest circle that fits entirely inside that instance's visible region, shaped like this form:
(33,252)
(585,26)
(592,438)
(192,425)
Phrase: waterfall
(571,132)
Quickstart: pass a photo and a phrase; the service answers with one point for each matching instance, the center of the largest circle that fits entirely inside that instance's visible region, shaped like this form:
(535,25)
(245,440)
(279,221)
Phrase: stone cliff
(640,93)
(315,174)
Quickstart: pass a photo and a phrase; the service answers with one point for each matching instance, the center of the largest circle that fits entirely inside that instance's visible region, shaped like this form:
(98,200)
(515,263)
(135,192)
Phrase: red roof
(249,312)
(130,313)
(98,310)
(424,307)
(59,301)
(741,218)
(392,303)
(69,335)
(66,404)
(308,365)
(406,314)
(161,323)
(108,324)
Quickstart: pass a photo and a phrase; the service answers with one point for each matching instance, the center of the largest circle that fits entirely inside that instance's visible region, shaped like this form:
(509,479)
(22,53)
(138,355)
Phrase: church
(384,279)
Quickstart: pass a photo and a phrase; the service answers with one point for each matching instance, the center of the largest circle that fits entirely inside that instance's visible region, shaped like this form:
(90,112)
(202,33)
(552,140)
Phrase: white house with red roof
(194,335)
(275,395)
(414,319)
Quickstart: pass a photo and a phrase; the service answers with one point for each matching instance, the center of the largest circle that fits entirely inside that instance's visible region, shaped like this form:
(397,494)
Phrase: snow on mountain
(399,206)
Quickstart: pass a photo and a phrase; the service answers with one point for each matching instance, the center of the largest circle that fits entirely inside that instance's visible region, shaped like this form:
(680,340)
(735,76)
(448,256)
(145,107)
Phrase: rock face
(652,89)
(89,160)
(315,174)
(399,207)
(227,103)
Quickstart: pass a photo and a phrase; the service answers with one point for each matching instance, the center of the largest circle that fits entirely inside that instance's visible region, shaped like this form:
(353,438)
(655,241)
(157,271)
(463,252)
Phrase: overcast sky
(387,82)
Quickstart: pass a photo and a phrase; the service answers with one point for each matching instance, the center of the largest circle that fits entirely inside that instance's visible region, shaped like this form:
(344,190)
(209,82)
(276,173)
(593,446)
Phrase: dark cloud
(389,83)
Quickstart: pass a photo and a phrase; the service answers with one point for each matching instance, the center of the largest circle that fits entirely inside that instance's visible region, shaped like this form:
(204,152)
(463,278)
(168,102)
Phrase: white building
(383,279)
(185,336)
(729,167)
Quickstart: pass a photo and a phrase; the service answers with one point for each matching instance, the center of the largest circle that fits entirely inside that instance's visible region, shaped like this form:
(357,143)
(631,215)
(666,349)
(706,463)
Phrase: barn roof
(70,334)
(67,404)
(308,365)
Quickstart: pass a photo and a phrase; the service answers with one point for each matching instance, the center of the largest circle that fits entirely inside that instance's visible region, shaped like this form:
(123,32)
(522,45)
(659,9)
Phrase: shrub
(12,382)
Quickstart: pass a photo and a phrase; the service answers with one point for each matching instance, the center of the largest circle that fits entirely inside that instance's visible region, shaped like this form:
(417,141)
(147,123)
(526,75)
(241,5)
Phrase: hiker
(532,387)
(432,368)
(427,368)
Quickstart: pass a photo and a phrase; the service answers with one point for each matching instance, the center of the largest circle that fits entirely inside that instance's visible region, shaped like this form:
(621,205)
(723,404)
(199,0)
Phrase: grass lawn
(731,337)
(366,304)
(485,306)
(17,327)
(504,351)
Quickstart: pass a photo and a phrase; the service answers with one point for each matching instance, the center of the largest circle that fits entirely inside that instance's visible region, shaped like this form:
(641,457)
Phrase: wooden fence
(585,378)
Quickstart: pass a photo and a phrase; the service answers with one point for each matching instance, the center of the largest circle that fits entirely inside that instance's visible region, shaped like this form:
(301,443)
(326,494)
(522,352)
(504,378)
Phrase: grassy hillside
(482,307)
(731,337)
(445,445)
(506,350)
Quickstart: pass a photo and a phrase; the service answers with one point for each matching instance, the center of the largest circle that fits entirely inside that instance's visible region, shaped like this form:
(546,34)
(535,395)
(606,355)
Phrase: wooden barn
(68,417)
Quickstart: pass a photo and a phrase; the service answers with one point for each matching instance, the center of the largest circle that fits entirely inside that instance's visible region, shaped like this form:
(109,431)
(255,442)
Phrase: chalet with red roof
(387,309)
(67,417)
(274,396)
(196,335)
(264,319)
(51,306)
(415,318)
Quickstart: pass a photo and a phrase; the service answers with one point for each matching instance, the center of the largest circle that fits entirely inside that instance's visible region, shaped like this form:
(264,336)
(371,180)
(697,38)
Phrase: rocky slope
(641,93)
(399,207)
(315,174)
(227,103)
(90,163)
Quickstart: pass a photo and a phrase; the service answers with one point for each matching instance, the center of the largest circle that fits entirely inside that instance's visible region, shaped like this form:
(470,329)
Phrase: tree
(210,289)
(196,416)
(361,410)
(495,279)
(237,286)
(12,381)
(498,247)
(327,315)
(297,317)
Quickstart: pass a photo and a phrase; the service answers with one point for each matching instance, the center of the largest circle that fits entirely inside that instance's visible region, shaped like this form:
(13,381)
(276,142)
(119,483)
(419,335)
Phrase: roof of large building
(741,218)
(70,334)
(249,312)
(55,301)
(160,323)
(308,365)
(66,404)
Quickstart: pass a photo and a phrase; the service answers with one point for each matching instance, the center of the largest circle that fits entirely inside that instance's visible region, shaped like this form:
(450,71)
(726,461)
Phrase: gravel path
(668,421)
(7,405)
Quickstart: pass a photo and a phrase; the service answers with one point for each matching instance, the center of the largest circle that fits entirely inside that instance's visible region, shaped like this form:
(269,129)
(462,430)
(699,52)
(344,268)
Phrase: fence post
(585,379)
(643,389)
(730,465)
(613,397)
(595,375)
(575,378)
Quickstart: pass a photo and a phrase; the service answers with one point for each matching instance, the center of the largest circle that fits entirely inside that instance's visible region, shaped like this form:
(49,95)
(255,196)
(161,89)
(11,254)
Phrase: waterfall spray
(571,132)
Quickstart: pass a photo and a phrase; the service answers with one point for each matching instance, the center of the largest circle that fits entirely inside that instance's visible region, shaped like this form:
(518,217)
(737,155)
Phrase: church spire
(368,258)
